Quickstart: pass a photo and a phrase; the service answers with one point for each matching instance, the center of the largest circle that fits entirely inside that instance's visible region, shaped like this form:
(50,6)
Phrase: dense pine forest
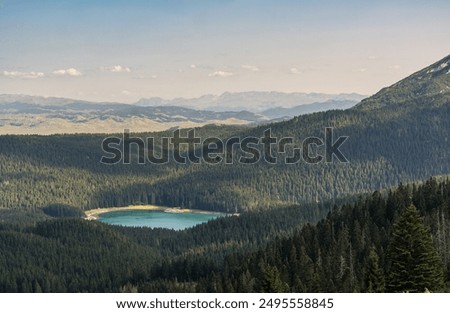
(393,243)
(358,247)
(302,227)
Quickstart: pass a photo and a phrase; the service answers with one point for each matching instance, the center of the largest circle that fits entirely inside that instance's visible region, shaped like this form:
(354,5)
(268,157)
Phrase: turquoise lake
(154,219)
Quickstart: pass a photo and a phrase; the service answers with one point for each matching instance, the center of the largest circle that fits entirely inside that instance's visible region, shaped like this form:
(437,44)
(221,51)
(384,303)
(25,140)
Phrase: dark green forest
(302,227)
(353,249)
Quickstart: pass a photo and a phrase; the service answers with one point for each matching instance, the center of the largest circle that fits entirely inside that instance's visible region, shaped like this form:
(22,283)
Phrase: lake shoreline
(95,213)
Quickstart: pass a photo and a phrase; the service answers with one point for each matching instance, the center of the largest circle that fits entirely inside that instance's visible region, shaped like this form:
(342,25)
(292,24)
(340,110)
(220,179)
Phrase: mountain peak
(430,82)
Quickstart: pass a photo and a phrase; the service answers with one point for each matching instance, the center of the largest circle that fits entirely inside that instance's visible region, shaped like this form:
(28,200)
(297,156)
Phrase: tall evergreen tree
(272,281)
(415,264)
(375,275)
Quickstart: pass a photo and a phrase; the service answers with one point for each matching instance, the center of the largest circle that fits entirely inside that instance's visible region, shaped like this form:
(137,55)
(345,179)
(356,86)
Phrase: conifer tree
(415,264)
(272,281)
(375,275)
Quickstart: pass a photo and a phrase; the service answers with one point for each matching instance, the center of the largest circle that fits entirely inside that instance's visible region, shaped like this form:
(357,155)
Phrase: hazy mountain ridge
(23,114)
(255,101)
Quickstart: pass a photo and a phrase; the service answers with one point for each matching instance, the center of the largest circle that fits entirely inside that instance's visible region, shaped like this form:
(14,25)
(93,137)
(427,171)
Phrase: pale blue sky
(124,50)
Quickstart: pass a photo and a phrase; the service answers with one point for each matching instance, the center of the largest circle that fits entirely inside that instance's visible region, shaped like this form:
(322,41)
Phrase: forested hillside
(352,250)
(394,243)
(399,134)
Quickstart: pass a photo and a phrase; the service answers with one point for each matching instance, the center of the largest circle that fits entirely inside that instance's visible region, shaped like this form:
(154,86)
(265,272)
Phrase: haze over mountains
(253,101)
(23,114)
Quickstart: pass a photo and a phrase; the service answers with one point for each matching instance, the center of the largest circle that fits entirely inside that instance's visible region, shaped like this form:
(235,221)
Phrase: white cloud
(193,66)
(126,93)
(116,69)
(154,76)
(16,74)
(250,67)
(67,72)
(120,69)
(394,67)
(220,74)
(294,70)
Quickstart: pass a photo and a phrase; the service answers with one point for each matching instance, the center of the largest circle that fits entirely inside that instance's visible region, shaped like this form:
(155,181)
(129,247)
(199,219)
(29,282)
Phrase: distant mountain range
(23,114)
(254,101)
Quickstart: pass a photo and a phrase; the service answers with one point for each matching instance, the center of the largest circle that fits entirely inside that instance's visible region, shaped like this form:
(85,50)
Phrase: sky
(126,50)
